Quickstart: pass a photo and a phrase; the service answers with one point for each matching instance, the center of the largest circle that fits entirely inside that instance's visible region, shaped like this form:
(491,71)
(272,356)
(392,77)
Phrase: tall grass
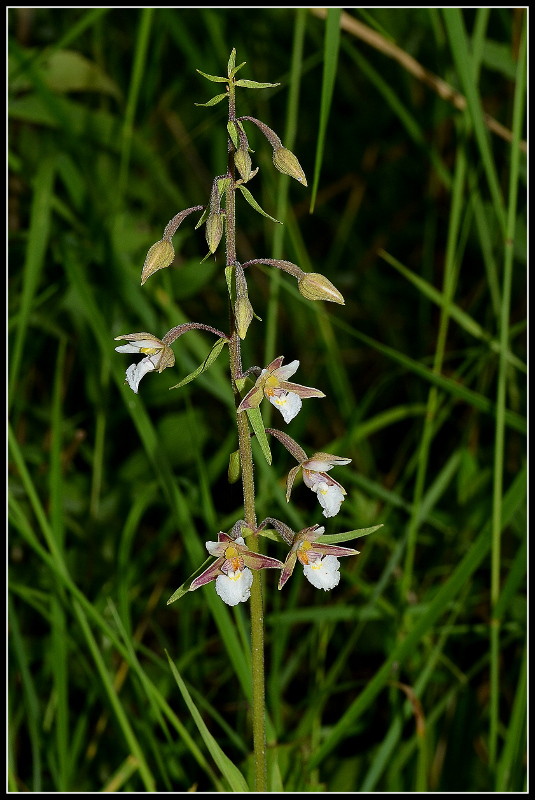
(412,675)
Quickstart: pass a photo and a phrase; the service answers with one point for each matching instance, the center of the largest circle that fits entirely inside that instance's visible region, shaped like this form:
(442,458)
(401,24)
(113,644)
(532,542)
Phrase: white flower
(330,497)
(234,587)
(273,383)
(158,356)
(288,403)
(324,573)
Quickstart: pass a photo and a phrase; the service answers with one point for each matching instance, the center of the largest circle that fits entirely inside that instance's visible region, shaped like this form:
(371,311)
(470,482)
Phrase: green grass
(411,675)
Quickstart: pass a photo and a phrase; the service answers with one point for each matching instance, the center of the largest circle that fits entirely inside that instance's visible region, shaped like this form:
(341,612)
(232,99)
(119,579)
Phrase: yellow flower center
(302,551)
(271,384)
(149,351)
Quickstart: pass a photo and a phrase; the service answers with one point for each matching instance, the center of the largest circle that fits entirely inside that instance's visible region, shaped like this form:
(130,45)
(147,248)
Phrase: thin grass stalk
(518,116)
(432,403)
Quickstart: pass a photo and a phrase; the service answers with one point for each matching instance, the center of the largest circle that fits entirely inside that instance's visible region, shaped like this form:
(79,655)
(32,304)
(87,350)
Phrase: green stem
(246,461)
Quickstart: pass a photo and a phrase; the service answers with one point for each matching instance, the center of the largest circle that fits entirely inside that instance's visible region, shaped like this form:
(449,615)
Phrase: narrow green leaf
(214,78)
(255,85)
(330,62)
(233,133)
(236,69)
(182,590)
(336,538)
(214,101)
(255,418)
(228,769)
(252,202)
(209,360)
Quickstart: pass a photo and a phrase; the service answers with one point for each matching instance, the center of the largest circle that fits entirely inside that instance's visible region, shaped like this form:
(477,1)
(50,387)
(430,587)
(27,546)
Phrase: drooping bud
(214,230)
(234,467)
(243,311)
(314,286)
(242,159)
(287,163)
(159,256)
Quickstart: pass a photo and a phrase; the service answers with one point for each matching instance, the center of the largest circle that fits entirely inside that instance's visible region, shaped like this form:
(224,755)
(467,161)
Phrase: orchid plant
(237,557)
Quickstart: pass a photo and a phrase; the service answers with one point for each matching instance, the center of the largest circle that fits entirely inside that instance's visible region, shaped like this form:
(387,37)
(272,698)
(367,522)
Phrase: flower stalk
(237,564)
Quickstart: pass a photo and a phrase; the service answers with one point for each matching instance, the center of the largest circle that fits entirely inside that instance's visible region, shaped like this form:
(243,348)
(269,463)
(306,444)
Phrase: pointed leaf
(228,769)
(256,421)
(214,78)
(254,84)
(346,537)
(203,218)
(233,133)
(209,360)
(231,61)
(184,589)
(252,202)
(235,70)
(214,101)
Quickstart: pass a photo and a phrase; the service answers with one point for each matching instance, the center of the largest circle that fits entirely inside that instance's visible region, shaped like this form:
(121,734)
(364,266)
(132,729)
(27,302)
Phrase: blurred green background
(395,681)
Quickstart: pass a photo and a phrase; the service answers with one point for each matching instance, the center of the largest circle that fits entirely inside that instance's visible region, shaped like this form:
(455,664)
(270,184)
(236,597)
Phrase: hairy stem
(246,461)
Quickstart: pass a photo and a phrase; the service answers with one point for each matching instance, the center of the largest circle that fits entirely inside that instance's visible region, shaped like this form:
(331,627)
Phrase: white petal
(289,404)
(135,372)
(330,498)
(235,587)
(324,574)
(138,346)
(283,373)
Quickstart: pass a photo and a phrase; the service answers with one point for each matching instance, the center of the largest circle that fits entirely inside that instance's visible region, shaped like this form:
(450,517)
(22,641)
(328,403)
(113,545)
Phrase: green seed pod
(243,311)
(314,286)
(214,230)
(234,467)
(242,159)
(287,163)
(159,256)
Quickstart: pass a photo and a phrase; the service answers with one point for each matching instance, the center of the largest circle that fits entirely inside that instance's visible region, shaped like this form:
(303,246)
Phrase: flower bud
(159,256)
(314,286)
(243,311)
(234,467)
(287,163)
(242,159)
(214,230)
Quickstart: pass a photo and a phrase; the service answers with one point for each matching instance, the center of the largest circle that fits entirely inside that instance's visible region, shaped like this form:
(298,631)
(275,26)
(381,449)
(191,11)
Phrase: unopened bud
(243,311)
(287,163)
(314,286)
(159,256)
(242,159)
(234,467)
(214,231)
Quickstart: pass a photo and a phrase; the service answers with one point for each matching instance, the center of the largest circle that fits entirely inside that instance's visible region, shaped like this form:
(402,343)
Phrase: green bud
(159,256)
(234,467)
(242,159)
(287,163)
(314,286)
(214,230)
(243,311)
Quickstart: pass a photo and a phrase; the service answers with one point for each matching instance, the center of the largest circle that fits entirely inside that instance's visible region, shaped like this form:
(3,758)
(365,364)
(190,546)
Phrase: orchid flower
(158,356)
(330,493)
(273,383)
(232,568)
(320,562)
